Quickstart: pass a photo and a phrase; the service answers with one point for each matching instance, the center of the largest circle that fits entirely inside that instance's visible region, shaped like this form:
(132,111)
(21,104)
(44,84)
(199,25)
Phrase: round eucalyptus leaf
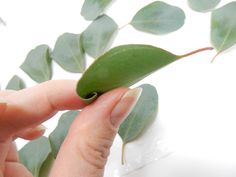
(223,27)
(158,18)
(98,36)
(16,83)
(203,5)
(58,135)
(91,9)
(34,153)
(68,53)
(38,64)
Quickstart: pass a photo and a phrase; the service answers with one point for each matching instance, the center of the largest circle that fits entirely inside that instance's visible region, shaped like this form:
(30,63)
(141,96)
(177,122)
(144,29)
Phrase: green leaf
(158,18)
(97,37)
(47,165)
(123,66)
(33,154)
(93,8)
(68,53)
(57,137)
(38,64)
(142,115)
(16,83)
(223,27)
(203,5)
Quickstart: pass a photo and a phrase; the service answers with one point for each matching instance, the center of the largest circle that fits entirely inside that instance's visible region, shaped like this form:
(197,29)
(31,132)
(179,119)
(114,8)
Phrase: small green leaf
(203,5)
(91,9)
(158,18)
(38,64)
(57,137)
(223,27)
(68,53)
(16,83)
(97,37)
(47,165)
(142,115)
(33,155)
(123,66)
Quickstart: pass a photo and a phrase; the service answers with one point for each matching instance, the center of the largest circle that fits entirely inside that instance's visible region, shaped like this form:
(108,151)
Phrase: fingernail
(125,106)
(40,128)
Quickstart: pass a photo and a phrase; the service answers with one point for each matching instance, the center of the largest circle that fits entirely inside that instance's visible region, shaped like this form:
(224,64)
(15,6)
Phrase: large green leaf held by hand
(143,114)
(33,155)
(158,18)
(57,137)
(97,37)
(223,27)
(16,83)
(123,66)
(93,8)
(38,64)
(68,53)
(203,5)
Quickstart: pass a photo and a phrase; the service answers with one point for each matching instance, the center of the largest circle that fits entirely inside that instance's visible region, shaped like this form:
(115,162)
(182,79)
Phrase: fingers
(14,169)
(12,155)
(30,107)
(32,133)
(86,148)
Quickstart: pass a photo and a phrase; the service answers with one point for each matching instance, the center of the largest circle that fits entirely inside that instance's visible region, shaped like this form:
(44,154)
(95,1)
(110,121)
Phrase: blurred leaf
(57,137)
(123,66)
(142,115)
(97,37)
(91,9)
(38,64)
(158,18)
(203,5)
(47,165)
(16,83)
(223,27)
(68,53)
(34,153)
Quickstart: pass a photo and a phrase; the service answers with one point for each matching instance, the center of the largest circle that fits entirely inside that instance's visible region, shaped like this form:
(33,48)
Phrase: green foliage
(97,37)
(203,5)
(143,114)
(33,155)
(158,18)
(38,64)
(123,66)
(223,27)
(93,8)
(46,167)
(68,53)
(16,83)
(57,137)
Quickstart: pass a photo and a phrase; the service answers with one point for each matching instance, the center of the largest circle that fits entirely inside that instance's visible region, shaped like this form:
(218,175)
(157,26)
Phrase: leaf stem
(213,59)
(120,28)
(123,154)
(196,51)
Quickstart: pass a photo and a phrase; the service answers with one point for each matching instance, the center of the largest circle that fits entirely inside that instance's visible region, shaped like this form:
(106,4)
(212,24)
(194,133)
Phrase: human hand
(86,148)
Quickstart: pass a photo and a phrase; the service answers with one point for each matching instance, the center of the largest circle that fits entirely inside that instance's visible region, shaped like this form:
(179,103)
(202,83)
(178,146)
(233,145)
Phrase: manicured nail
(40,128)
(125,106)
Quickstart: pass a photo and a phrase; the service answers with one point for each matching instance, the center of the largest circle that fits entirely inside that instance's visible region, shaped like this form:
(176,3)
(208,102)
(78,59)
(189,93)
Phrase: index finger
(32,106)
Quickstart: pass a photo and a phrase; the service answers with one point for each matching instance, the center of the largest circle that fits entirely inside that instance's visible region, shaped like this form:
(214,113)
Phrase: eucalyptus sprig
(122,65)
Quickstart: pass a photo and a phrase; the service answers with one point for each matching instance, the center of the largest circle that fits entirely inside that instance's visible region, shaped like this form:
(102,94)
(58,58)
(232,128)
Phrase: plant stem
(213,59)
(120,28)
(196,51)
(123,154)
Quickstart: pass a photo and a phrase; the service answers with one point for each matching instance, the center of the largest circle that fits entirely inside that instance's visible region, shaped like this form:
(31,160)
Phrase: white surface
(195,133)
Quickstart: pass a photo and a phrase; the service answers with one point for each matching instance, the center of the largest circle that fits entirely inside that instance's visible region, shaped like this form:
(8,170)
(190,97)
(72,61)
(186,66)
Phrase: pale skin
(86,148)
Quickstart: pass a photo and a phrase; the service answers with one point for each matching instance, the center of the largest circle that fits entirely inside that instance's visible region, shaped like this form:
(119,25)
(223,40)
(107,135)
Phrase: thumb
(86,148)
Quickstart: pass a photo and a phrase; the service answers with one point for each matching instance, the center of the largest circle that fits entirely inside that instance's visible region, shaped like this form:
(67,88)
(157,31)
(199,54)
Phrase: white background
(194,135)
